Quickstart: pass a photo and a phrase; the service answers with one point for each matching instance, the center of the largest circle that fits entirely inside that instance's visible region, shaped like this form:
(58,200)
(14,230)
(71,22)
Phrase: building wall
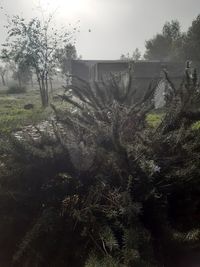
(105,68)
(144,73)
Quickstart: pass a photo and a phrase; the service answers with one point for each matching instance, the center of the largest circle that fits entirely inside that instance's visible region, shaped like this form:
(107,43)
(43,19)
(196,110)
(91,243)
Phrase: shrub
(109,190)
(16,89)
(196,126)
(154,120)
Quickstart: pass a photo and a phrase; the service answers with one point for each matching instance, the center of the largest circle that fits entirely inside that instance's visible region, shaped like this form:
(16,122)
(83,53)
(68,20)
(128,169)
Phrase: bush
(154,120)
(109,190)
(16,89)
(196,126)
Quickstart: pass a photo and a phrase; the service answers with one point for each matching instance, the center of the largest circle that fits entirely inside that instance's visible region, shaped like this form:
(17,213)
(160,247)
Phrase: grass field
(13,116)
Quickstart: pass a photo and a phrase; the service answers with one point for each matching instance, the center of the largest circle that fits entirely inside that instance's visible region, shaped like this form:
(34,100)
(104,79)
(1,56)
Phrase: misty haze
(99,133)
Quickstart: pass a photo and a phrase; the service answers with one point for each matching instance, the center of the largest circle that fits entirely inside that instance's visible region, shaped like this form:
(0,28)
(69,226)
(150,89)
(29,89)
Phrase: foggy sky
(117,26)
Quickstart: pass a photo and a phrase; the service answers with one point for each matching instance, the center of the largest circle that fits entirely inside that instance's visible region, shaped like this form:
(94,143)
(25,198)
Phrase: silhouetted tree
(64,55)
(135,56)
(166,45)
(192,41)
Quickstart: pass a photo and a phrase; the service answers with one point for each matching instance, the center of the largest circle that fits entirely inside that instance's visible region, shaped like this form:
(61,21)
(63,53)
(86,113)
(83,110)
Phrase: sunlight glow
(69,8)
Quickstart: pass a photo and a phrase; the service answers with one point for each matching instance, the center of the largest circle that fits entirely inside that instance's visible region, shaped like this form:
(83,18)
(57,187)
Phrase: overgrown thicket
(104,189)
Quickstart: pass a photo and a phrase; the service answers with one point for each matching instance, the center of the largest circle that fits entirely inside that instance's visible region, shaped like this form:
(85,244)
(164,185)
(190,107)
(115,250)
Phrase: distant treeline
(172,43)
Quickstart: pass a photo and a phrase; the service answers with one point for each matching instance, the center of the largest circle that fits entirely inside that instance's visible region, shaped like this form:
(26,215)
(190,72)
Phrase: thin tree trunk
(3,80)
(43,85)
(43,89)
(51,85)
(19,80)
(46,89)
(40,83)
(31,80)
(44,94)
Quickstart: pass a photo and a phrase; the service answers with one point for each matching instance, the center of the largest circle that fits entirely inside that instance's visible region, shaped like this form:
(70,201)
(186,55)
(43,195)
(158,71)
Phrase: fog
(108,28)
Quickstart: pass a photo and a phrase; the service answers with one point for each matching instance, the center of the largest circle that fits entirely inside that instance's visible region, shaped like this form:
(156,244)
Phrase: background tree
(135,56)
(125,57)
(34,44)
(192,41)
(167,45)
(22,73)
(64,55)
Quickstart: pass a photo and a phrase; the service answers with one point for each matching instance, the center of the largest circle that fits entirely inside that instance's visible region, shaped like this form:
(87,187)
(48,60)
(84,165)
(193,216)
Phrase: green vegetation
(109,182)
(154,119)
(107,191)
(13,116)
(29,43)
(173,44)
(196,126)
